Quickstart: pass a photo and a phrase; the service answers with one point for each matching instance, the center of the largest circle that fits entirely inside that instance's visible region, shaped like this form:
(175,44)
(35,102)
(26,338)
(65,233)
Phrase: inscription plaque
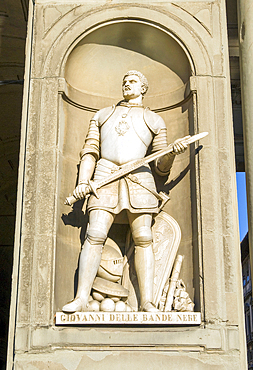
(138,318)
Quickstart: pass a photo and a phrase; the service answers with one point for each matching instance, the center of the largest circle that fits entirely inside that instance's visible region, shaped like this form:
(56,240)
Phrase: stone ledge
(121,335)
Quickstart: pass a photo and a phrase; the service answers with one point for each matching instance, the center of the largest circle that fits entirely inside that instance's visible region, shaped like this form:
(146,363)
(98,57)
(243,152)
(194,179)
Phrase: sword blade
(125,169)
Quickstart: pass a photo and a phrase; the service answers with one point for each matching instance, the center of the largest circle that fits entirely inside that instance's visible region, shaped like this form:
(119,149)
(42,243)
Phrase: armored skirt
(131,192)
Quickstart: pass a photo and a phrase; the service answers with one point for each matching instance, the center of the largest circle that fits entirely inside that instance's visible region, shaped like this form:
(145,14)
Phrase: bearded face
(132,87)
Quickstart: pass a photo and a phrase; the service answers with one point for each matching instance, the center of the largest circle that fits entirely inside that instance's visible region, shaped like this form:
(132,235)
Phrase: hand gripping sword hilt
(90,188)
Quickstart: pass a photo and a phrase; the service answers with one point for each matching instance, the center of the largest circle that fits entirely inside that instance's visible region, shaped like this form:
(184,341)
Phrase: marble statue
(118,135)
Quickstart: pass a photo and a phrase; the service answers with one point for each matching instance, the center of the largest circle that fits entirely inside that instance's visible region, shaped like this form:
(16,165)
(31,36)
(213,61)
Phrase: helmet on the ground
(111,265)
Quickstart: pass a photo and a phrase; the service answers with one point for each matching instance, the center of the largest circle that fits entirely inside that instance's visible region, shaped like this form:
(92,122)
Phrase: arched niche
(95,67)
(93,75)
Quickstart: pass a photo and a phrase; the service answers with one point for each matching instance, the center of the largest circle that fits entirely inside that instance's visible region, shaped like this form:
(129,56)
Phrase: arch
(194,40)
(96,65)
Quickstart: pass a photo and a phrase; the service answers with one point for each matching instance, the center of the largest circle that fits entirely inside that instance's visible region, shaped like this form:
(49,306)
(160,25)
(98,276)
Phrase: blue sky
(242,203)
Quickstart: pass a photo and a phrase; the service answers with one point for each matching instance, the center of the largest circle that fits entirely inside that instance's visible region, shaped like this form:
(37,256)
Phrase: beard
(128,94)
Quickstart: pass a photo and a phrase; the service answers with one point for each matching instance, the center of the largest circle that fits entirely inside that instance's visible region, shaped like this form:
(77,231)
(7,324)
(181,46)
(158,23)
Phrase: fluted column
(245,27)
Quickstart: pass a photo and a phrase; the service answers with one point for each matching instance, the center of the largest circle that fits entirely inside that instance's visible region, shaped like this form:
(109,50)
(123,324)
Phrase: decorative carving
(200,11)
(173,283)
(122,127)
(182,302)
(53,14)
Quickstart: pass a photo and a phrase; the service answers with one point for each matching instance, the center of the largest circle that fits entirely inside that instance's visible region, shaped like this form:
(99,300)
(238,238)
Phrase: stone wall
(182,48)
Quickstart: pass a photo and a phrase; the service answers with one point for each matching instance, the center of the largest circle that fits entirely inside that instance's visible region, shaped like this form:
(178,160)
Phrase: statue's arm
(88,157)
(86,169)
(163,164)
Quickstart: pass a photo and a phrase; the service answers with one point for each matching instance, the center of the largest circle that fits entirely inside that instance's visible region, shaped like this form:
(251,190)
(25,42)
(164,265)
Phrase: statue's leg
(144,258)
(100,222)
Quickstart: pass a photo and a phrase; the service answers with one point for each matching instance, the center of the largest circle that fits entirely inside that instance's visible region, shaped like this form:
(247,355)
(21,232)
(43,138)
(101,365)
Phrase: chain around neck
(126,104)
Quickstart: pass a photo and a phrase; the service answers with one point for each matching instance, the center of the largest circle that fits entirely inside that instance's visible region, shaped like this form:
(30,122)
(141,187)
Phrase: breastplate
(125,136)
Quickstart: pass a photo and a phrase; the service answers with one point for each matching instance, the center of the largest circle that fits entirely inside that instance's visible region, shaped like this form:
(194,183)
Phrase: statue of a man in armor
(116,136)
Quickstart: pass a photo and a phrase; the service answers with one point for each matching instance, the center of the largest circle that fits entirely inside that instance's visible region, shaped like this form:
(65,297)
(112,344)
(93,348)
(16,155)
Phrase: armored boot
(88,265)
(144,266)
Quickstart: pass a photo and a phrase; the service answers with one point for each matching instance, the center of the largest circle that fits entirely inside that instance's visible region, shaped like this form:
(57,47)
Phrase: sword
(125,169)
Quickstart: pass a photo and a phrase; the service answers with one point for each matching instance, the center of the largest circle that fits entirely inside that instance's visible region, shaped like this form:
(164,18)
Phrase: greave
(90,258)
(144,266)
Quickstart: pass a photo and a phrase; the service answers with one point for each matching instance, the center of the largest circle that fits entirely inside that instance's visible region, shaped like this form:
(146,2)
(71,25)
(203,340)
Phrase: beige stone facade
(76,51)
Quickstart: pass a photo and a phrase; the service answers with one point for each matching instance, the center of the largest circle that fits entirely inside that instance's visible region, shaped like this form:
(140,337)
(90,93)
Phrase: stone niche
(93,74)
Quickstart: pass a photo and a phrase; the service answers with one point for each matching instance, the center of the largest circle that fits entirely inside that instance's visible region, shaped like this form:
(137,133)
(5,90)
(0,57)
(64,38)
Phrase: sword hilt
(93,188)
(164,199)
(90,188)
(69,201)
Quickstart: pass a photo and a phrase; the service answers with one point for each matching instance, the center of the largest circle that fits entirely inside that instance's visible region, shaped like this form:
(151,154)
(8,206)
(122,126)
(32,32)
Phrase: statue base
(132,318)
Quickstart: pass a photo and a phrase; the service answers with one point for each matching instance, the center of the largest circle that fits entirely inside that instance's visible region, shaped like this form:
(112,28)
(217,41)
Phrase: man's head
(134,85)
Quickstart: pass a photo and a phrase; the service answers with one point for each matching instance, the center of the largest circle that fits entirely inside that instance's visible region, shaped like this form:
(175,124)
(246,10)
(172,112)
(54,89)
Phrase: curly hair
(142,78)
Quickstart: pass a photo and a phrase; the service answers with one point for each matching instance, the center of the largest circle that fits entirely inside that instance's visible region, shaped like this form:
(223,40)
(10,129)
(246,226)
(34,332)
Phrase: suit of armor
(118,135)
(124,134)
